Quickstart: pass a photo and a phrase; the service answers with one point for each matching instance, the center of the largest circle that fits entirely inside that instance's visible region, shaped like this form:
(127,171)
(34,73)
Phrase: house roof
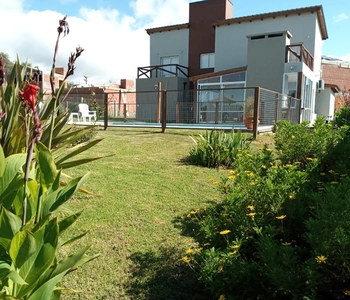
(335,88)
(219,73)
(167,28)
(298,11)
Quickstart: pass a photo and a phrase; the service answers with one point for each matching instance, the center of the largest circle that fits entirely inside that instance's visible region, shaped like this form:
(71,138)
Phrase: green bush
(216,148)
(300,143)
(281,230)
(342,117)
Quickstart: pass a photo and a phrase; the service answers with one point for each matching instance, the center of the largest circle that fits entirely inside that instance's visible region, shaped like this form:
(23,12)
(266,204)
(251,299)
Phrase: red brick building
(336,73)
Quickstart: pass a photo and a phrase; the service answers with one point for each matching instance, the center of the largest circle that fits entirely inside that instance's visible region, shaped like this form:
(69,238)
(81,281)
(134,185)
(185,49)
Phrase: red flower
(29,95)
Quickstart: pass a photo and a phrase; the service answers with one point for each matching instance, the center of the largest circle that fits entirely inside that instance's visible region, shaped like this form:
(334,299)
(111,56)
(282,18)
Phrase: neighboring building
(279,51)
(336,74)
(120,97)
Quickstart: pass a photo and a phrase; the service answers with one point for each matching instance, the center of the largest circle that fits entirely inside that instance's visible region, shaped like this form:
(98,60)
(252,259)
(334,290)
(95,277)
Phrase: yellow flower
(206,244)
(281,217)
(309,159)
(263,167)
(189,251)
(268,149)
(251,215)
(198,250)
(222,297)
(220,268)
(293,136)
(185,259)
(235,246)
(321,259)
(233,253)
(215,182)
(250,207)
(291,197)
(286,244)
(225,232)
(232,177)
(334,182)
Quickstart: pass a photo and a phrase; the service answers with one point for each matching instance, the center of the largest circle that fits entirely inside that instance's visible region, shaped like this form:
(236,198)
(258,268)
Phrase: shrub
(216,148)
(300,143)
(281,230)
(342,117)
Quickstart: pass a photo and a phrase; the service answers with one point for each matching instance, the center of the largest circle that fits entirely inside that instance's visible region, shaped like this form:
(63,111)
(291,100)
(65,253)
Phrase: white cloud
(340,17)
(346,57)
(115,44)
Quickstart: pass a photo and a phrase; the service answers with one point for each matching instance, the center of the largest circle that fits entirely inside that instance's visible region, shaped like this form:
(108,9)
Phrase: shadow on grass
(162,275)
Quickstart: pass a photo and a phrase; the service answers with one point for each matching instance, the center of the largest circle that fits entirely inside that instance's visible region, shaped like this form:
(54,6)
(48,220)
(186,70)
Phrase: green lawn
(139,192)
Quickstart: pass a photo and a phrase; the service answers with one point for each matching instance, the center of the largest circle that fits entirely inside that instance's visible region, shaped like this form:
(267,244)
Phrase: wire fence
(206,106)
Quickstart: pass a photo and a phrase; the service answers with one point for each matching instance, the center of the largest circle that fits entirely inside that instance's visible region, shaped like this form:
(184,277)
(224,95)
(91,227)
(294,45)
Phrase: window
(169,71)
(290,87)
(207,60)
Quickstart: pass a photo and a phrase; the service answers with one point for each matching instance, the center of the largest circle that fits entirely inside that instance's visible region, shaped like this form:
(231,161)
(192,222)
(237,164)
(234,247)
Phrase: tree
(9,63)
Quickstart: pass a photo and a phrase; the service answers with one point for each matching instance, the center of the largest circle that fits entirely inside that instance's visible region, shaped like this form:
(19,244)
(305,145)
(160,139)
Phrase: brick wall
(335,74)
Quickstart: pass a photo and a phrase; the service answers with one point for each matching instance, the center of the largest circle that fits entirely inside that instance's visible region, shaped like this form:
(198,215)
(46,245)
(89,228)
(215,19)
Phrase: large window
(207,60)
(290,88)
(169,71)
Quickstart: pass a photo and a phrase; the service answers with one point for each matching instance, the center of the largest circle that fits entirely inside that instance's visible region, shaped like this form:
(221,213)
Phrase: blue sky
(113,31)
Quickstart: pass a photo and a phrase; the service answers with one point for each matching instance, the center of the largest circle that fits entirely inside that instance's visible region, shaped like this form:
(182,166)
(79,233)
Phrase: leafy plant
(281,229)
(216,148)
(31,189)
(29,266)
(249,107)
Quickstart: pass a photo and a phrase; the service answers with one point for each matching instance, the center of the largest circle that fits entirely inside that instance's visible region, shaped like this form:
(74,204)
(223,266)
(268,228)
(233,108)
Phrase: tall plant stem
(52,83)
(26,176)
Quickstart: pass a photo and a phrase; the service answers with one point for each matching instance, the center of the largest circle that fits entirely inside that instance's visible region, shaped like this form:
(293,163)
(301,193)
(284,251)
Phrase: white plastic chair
(86,113)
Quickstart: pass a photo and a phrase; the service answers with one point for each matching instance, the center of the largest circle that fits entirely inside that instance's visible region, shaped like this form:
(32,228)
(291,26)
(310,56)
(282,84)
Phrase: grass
(139,192)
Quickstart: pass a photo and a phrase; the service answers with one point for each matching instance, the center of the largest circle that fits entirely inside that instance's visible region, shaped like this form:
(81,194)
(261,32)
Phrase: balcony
(298,53)
(171,70)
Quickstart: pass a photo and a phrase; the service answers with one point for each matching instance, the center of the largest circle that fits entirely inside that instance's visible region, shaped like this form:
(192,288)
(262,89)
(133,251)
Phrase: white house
(280,51)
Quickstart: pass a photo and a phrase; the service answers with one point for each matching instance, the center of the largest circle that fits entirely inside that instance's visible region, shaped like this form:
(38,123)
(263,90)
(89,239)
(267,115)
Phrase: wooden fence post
(124,111)
(277,107)
(177,112)
(105,103)
(159,101)
(216,112)
(164,104)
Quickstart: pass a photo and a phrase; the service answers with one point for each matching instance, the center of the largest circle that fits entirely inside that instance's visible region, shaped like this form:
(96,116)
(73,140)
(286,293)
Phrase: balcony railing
(298,53)
(170,70)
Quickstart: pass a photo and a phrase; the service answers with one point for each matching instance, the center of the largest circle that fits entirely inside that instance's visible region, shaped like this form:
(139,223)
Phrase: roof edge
(318,9)
(218,73)
(168,28)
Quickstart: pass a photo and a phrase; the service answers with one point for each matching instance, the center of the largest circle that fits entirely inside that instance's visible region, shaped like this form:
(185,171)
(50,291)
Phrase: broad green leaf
(14,164)
(46,165)
(45,291)
(10,224)
(72,240)
(32,270)
(16,278)
(22,247)
(78,162)
(73,261)
(2,162)
(68,191)
(65,223)
(77,150)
